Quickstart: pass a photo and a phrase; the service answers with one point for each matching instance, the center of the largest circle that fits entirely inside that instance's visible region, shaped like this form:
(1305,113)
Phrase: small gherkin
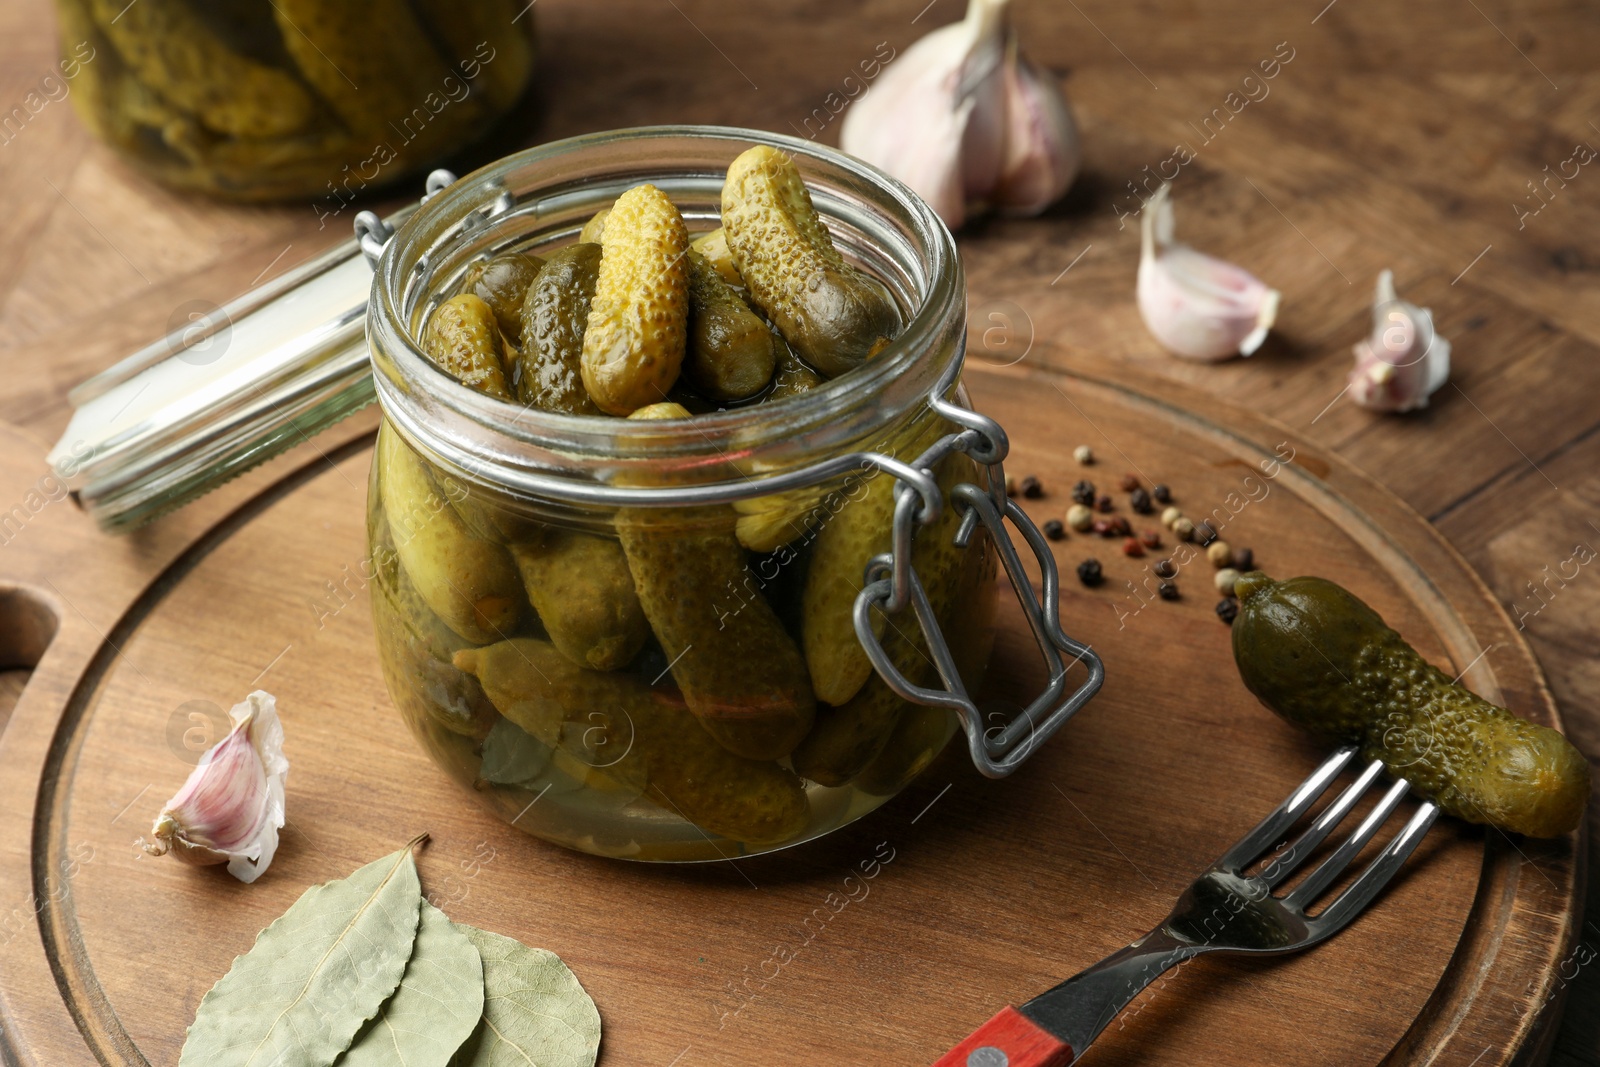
(1320,657)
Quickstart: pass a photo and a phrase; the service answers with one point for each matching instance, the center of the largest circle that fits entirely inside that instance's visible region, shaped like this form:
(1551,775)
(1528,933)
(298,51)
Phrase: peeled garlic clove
(1041,150)
(232,805)
(935,118)
(1196,305)
(1403,361)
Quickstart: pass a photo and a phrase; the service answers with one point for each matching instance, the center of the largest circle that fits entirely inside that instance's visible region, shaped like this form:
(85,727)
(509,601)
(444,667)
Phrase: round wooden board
(982,893)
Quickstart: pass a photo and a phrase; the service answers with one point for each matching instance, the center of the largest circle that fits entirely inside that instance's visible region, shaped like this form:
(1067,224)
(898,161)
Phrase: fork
(1223,910)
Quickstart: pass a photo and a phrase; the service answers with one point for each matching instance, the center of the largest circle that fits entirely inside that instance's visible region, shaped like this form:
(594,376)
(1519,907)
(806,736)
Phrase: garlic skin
(1197,306)
(1403,361)
(966,121)
(231,807)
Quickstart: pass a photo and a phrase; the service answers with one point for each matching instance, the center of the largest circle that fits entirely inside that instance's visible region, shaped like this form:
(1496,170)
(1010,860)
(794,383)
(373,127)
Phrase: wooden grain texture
(1399,136)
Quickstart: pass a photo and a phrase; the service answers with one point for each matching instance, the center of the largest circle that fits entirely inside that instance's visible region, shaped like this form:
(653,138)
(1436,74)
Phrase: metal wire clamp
(892,584)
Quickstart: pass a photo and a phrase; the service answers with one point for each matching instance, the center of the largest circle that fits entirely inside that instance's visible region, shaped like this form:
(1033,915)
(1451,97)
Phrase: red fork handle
(1010,1039)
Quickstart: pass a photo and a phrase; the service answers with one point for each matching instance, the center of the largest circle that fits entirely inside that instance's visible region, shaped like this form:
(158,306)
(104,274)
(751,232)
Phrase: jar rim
(502,443)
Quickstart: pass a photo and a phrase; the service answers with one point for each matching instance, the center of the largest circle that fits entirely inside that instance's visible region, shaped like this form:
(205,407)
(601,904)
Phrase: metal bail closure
(892,584)
(229,388)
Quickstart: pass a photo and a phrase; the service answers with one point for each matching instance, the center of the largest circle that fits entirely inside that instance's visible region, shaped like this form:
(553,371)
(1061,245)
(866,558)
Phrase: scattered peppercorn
(1120,526)
(1244,560)
(1083,493)
(1150,539)
(1129,482)
(1104,528)
(1227,610)
(1011,486)
(1089,572)
(1054,530)
(1032,488)
(1132,547)
(1162,494)
(1105,503)
(1183,528)
(1080,517)
(1139,500)
(1083,454)
(1225,580)
(1170,516)
(1204,533)
(1168,590)
(1165,569)
(1219,553)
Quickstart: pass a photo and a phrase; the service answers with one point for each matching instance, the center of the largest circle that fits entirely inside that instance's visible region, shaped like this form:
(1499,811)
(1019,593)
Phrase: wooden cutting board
(882,944)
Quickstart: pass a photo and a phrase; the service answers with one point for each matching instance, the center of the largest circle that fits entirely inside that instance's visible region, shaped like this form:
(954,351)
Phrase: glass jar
(649,674)
(271,99)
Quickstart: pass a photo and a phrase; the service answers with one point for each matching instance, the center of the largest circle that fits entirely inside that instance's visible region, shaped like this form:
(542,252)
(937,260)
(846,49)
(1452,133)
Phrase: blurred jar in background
(276,99)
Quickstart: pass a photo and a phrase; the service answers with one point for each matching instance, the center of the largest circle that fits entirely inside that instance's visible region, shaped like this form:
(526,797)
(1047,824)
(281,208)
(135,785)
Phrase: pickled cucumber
(835,316)
(432,685)
(687,772)
(730,353)
(595,228)
(555,313)
(848,736)
(462,340)
(634,344)
(792,376)
(1321,658)
(714,246)
(861,528)
(581,589)
(739,671)
(373,64)
(502,283)
(167,48)
(468,582)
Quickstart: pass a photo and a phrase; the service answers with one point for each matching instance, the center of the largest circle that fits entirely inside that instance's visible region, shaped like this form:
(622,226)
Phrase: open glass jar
(667,678)
(271,99)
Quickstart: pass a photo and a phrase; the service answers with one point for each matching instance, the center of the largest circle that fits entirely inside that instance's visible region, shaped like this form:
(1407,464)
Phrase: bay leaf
(315,976)
(512,756)
(436,1007)
(534,1010)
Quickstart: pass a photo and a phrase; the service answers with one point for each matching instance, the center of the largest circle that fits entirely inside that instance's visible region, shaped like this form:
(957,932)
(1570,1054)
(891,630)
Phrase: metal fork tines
(1227,910)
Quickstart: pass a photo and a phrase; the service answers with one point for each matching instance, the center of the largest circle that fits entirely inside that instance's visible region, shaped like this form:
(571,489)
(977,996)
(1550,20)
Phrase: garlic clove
(231,807)
(1041,153)
(1196,305)
(1403,361)
(934,117)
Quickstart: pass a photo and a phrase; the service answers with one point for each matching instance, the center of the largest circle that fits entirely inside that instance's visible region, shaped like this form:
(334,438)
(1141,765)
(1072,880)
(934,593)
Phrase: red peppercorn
(1132,547)
(1130,482)
(1150,539)
(1105,503)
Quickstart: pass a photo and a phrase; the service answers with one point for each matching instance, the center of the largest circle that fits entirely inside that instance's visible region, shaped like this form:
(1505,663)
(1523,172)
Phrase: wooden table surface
(1397,136)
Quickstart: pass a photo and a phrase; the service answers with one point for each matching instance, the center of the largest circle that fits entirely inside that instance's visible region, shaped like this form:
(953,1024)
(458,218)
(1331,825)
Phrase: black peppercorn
(1168,590)
(1243,560)
(1165,569)
(1140,502)
(1227,609)
(1204,533)
(1032,488)
(1083,493)
(1162,494)
(1054,530)
(1105,503)
(1089,572)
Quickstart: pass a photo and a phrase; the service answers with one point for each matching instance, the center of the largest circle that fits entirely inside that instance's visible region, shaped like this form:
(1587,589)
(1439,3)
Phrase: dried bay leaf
(512,756)
(534,1010)
(315,976)
(436,1008)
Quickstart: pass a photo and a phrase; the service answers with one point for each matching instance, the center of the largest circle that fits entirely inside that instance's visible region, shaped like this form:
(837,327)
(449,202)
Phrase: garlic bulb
(1196,305)
(232,805)
(965,120)
(1404,361)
